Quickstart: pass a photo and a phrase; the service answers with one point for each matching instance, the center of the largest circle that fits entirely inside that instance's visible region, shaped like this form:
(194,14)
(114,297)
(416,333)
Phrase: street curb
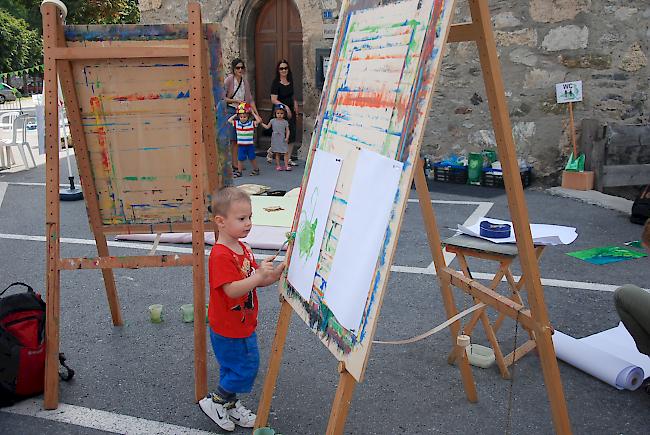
(594,197)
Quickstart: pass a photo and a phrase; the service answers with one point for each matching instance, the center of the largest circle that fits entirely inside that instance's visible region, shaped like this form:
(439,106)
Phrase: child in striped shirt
(245,127)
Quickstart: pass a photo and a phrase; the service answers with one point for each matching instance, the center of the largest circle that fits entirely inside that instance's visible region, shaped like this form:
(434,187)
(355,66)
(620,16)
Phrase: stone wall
(604,43)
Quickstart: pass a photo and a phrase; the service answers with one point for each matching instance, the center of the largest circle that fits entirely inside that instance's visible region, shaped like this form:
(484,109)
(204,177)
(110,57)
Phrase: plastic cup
(188,313)
(155,313)
(264,431)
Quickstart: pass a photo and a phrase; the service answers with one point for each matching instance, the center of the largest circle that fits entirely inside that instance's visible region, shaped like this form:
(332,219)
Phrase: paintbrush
(291,235)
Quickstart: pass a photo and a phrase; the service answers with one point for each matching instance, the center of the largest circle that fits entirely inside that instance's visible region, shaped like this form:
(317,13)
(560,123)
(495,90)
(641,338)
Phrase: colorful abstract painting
(607,254)
(135,115)
(381,75)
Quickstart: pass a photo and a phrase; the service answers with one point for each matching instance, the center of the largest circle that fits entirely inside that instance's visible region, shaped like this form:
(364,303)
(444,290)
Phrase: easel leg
(341,404)
(51,24)
(271,378)
(109,280)
(517,204)
(433,236)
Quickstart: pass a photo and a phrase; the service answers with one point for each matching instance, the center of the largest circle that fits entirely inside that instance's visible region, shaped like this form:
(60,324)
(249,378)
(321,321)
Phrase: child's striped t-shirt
(244,132)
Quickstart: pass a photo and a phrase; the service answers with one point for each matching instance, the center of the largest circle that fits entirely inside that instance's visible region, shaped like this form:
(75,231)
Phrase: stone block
(590,60)
(634,59)
(505,19)
(523,56)
(554,11)
(542,79)
(517,37)
(569,37)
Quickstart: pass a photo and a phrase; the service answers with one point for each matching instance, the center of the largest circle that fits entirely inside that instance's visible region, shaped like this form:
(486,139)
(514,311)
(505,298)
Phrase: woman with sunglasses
(282,93)
(238,91)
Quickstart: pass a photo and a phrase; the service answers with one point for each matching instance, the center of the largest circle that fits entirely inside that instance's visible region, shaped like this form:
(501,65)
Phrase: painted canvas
(607,254)
(311,222)
(135,115)
(381,75)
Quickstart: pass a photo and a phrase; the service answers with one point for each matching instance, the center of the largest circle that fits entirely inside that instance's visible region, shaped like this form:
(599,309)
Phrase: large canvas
(135,115)
(383,68)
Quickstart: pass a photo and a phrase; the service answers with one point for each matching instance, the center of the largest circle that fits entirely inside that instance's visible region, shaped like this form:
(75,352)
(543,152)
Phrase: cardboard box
(578,180)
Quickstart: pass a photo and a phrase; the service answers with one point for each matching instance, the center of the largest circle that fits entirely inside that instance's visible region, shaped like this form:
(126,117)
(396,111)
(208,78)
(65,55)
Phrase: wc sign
(568,92)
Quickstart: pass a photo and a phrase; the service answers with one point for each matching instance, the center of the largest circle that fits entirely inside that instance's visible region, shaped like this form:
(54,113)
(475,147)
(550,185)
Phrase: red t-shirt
(233,318)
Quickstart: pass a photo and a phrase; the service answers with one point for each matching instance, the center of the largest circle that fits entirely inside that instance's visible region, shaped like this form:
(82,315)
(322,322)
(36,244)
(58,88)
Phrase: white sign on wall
(568,92)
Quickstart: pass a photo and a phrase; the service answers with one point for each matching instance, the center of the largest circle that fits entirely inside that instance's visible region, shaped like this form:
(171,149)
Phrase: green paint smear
(307,234)
(135,178)
(185,177)
(131,178)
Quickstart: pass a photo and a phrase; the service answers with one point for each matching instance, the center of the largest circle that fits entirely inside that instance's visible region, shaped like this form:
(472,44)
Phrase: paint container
(264,431)
(188,313)
(155,313)
(494,231)
(480,356)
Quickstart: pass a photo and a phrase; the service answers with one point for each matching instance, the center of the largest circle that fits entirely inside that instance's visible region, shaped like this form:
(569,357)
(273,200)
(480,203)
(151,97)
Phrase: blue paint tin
(494,231)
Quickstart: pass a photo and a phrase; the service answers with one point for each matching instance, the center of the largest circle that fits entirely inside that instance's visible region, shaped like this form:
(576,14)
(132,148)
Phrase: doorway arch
(278,35)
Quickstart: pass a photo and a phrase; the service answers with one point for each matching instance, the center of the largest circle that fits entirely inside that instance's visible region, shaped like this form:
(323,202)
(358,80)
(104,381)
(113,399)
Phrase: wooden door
(278,35)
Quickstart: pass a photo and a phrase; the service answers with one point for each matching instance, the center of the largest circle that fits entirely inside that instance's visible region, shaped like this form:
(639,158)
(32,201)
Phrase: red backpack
(22,345)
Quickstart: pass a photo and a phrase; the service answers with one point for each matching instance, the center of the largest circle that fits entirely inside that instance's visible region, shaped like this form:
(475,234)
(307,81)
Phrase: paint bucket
(155,313)
(264,431)
(188,313)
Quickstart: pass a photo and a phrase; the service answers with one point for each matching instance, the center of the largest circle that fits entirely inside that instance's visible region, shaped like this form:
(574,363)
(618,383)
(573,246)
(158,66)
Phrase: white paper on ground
(372,193)
(619,342)
(316,206)
(600,364)
(543,234)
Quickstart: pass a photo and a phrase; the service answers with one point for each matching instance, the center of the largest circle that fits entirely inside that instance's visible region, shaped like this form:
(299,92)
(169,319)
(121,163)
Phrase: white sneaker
(241,415)
(217,412)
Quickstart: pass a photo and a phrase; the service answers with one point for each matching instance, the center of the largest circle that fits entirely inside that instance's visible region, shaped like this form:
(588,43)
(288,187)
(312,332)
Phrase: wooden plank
(197,64)
(83,53)
(625,175)
(521,351)
(275,360)
(82,158)
(518,212)
(588,138)
(132,262)
(488,296)
(213,160)
(341,403)
(181,227)
(433,237)
(462,32)
(51,22)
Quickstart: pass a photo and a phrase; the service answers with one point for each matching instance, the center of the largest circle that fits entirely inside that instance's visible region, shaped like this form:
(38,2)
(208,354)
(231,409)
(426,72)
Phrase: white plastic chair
(18,125)
(7,119)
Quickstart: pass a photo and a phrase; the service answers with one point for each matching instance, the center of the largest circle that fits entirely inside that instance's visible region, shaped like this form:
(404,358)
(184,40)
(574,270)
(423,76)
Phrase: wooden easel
(58,59)
(535,320)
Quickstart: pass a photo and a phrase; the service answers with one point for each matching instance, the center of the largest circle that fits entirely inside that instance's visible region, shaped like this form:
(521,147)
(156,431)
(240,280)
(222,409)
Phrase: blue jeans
(239,361)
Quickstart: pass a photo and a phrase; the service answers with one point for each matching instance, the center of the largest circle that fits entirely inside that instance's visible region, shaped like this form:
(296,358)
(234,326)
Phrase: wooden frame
(535,319)
(594,143)
(58,63)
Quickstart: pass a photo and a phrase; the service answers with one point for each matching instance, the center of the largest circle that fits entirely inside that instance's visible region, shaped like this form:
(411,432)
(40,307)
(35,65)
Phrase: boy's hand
(269,273)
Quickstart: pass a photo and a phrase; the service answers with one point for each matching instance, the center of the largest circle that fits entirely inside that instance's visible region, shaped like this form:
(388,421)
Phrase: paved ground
(139,378)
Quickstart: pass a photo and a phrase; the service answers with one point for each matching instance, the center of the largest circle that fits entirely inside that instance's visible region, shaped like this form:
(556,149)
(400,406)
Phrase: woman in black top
(282,93)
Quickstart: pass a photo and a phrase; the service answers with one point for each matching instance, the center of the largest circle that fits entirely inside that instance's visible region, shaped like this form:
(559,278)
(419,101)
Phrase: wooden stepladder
(59,58)
(535,319)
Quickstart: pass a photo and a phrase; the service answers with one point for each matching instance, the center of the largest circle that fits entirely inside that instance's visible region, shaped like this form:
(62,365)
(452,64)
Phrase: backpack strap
(29,288)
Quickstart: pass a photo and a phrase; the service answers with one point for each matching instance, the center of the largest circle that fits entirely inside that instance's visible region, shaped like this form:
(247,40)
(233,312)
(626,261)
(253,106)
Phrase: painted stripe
(17,183)
(3,190)
(98,419)
(400,269)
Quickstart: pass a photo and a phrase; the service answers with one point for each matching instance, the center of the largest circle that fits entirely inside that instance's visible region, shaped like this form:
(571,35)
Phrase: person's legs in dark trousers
(633,306)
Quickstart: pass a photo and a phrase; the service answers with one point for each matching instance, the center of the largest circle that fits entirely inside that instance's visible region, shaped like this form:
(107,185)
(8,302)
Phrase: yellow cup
(188,313)
(155,313)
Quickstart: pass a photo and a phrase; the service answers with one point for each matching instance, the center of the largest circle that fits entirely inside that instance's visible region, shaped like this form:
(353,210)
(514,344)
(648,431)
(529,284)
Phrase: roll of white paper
(602,365)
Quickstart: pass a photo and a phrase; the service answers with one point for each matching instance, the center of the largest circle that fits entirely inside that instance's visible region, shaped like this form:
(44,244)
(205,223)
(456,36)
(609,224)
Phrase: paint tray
(480,356)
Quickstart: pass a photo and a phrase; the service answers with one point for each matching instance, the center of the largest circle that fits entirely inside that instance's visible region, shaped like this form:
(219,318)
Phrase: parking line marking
(98,419)
(581,285)
(3,190)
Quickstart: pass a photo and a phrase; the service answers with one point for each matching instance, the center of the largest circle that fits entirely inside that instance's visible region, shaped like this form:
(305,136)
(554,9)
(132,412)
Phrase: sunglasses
(240,67)
(284,68)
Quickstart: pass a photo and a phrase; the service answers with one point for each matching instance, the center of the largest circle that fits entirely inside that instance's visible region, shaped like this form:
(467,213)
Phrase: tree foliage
(20,46)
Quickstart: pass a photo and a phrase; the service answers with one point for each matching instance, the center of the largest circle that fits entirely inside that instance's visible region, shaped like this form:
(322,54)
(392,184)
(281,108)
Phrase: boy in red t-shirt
(234,276)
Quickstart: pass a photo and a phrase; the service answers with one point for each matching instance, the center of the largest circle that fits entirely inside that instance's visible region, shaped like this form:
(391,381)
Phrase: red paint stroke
(370,99)
(96,109)
(137,97)
(377,57)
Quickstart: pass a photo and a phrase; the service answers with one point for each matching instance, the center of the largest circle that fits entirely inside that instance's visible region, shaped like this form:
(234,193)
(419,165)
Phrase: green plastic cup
(155,313)
(188,313)
(264,431)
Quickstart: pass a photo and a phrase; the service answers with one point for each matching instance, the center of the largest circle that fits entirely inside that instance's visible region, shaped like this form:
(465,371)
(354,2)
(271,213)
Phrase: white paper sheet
(316,205)
(373,187)
(542,234)
(601,363)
